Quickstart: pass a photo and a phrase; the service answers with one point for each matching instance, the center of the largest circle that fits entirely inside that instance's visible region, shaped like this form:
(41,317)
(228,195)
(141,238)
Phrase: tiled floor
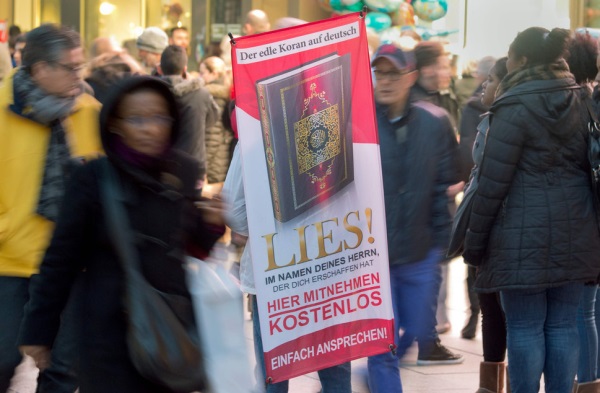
(461,378)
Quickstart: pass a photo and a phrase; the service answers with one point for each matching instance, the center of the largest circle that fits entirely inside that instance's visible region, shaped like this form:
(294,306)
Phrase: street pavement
(459,378)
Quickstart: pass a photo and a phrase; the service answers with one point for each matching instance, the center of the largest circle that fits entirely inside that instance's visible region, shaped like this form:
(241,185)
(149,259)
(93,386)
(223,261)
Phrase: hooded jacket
(24,235)
(533,222)
(198,111)
(158,199)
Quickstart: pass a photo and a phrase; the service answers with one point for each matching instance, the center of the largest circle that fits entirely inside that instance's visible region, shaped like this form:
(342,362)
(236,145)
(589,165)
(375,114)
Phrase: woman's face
(144,122)
(489,88)
(206,74)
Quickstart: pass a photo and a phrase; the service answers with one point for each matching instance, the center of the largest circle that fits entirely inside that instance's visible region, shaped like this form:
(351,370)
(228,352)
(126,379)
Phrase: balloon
(336,5)
(430,10)
(378,21)
(404,16)
(384,5)
(350,3)
(355,6)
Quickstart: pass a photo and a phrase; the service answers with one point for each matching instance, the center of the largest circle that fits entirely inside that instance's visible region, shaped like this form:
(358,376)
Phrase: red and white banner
(314,195)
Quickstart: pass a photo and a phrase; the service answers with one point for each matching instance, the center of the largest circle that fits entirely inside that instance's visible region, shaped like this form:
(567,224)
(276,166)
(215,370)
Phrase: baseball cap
(403,60)
(153,39)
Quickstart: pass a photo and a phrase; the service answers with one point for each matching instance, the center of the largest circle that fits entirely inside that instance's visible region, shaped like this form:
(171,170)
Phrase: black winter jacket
(419,162)
(533,223)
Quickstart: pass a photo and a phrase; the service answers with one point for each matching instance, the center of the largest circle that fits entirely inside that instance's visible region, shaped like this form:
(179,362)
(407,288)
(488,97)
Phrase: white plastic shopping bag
(219,312)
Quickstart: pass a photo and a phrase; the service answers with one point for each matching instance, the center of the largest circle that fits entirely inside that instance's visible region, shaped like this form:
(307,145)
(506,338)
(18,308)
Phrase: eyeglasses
(140,121)
(391,75)
(69,68)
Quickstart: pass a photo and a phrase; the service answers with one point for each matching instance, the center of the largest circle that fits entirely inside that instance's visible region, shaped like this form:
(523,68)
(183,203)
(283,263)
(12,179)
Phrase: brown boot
(589,387)
(491,377)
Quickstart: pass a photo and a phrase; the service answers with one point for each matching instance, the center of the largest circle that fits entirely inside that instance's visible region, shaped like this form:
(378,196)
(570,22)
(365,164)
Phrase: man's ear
(39,70)
(159,70)
(184,73)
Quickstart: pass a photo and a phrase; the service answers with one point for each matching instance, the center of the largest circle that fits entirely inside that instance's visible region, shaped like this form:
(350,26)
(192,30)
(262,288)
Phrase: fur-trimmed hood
(180,86)
(218,90)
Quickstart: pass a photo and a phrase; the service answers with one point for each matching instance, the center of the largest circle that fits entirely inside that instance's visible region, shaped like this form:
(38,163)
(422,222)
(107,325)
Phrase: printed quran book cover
(305,116)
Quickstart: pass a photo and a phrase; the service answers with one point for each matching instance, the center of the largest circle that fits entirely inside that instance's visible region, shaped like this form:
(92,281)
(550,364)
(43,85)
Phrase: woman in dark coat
(139,124)
(533,229)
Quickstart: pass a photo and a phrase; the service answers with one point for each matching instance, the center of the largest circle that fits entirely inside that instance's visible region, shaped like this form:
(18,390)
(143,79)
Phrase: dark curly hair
(583,52)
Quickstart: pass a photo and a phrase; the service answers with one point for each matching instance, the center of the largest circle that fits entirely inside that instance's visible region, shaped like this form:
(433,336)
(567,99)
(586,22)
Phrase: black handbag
(162,336)
(460,223)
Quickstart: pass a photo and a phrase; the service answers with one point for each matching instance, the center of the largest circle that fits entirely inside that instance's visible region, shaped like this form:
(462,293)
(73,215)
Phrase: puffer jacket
(533,223)
(218,137)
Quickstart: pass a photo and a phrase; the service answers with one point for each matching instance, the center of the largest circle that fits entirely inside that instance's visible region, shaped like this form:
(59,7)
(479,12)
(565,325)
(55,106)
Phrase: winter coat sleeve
(447,174)
(502,153)
(63,261)
(468,130)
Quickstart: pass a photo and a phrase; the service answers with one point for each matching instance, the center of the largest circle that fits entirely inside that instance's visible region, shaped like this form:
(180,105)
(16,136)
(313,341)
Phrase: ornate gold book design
(305,117)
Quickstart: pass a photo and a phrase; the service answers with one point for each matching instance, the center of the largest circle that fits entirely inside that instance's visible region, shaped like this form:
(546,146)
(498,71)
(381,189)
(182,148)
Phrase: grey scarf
(33,103)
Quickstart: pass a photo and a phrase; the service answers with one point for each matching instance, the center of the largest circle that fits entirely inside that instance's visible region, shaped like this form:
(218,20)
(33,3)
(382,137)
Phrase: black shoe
(439,354)
(470,328)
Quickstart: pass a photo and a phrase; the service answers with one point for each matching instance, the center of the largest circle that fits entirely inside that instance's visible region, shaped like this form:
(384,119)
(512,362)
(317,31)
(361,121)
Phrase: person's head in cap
(151,44)
(395,73)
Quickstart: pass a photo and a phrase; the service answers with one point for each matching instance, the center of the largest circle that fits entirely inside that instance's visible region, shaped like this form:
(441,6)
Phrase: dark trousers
(14,293)
(493,327)
(61,376)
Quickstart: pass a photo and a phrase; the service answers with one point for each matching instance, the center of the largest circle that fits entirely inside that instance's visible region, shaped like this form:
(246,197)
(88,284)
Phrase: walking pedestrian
(139,127)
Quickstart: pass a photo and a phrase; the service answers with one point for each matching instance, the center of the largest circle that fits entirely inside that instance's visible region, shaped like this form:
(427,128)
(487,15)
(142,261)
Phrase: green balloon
(378,21)
(336,5)
(358,6)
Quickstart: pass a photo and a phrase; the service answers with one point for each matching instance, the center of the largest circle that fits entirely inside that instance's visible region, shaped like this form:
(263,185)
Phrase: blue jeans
(334,379)
(415,289)
(597,316)
(588,335)
(542,337)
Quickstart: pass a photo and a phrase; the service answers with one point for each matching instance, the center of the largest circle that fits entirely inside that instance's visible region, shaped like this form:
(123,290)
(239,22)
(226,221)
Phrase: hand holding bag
(162,337)
(219,311)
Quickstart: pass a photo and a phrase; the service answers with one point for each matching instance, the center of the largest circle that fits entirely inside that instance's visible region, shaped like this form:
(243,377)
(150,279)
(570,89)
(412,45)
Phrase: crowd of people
(164,124)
